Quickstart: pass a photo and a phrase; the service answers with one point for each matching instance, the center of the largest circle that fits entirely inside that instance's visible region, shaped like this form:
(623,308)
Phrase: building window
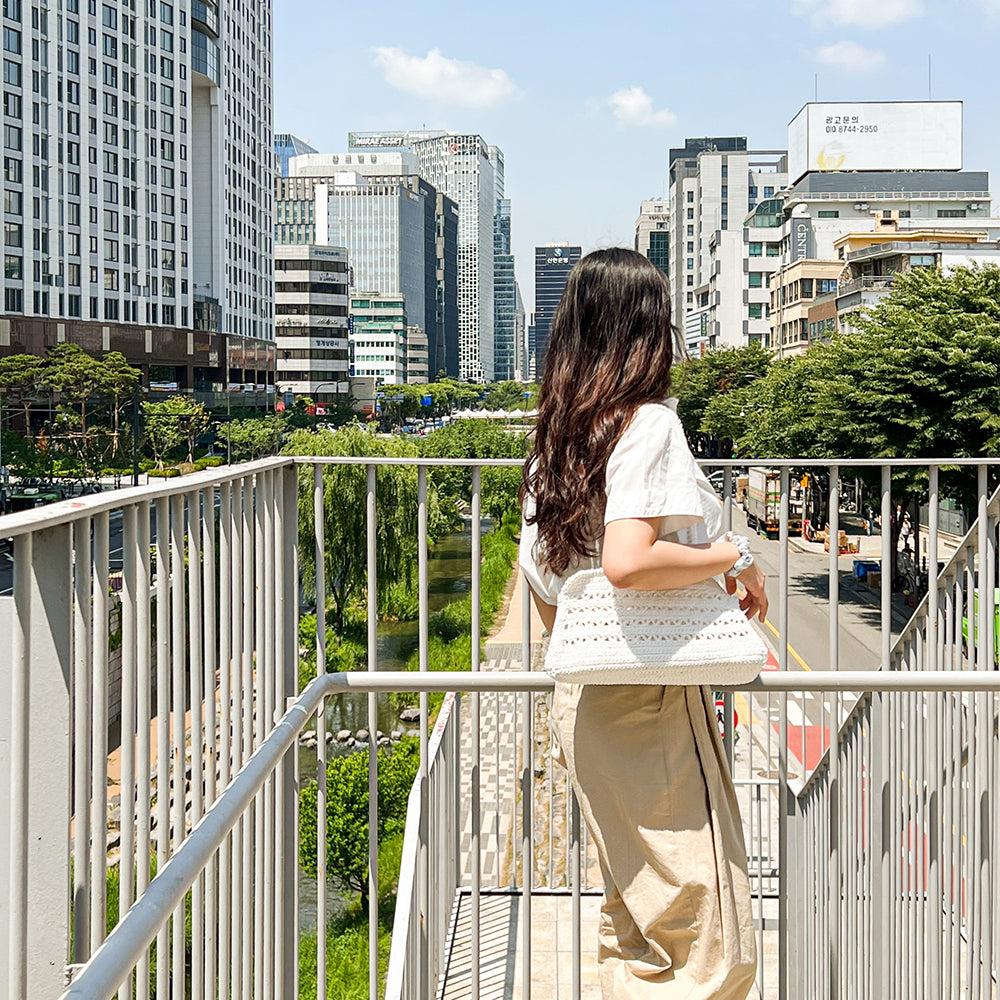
(752,193)
(756,279)
(690,263)
(690,197)
(755,310)
(755,249)
(690,281)
(768,192)
(825,286)
(828,213)
(951,213)
(690,213)
(773,250)
(904,213)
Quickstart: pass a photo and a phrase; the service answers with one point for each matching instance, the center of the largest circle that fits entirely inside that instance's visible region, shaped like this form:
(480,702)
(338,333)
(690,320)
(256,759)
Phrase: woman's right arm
(632,556)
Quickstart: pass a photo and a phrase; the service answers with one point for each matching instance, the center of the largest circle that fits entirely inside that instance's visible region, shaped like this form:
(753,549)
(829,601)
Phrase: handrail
(123,948)
(68,511)
(914,625)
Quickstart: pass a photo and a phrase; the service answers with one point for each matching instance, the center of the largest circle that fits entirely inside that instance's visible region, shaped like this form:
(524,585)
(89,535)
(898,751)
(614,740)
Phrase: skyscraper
(286,146)
(400,231)
(553,263)
(138,167)
(504,296)
(466,169)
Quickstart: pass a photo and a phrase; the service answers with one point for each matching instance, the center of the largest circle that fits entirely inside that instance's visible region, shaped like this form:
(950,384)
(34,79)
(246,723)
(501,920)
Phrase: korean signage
(899,135)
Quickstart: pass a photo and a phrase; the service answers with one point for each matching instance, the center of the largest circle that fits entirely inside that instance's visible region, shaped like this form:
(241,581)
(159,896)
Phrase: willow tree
(345,530)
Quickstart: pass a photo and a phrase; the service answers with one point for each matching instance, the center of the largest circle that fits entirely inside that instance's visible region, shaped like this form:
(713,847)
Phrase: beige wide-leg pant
(648,768)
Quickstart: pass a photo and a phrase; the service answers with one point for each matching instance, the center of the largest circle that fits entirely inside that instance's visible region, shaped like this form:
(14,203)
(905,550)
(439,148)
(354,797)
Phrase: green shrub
(347,813)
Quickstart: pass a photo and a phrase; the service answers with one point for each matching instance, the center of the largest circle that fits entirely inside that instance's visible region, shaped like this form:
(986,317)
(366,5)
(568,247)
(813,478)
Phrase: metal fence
(874,872)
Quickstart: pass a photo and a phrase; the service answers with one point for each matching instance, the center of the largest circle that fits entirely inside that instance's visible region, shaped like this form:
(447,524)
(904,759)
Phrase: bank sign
(896,135)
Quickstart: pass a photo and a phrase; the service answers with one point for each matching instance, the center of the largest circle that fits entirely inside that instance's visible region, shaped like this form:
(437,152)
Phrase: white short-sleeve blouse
(651,473)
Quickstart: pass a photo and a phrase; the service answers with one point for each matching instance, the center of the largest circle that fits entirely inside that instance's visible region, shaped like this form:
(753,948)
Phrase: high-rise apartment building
(311,303)
(652,232)
(504,296)
(467,170)
(553,263)
(138,165)
(714,184)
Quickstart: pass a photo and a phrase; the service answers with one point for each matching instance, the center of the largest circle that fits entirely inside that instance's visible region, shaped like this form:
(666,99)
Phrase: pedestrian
(612,484)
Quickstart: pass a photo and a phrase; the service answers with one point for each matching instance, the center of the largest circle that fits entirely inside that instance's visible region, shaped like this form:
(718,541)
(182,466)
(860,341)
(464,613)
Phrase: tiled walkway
(501,958)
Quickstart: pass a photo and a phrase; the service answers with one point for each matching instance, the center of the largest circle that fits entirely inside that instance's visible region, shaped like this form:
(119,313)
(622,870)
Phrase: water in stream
(449,577)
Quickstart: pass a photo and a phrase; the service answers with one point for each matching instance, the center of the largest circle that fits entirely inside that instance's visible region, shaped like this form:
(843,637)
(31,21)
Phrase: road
(809,633)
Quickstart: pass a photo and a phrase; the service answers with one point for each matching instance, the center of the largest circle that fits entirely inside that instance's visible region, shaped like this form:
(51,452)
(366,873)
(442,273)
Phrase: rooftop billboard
(896,135)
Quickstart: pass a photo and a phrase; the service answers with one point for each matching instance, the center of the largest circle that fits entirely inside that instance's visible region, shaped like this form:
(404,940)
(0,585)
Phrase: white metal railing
(209,639)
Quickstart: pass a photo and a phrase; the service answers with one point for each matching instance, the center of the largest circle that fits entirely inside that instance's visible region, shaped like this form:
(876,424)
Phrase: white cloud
(435,77)
(862,13)
(851,57)
(632,106)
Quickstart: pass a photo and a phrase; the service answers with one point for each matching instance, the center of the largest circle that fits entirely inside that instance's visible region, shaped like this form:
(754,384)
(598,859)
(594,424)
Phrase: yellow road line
(795,656)
(740,702)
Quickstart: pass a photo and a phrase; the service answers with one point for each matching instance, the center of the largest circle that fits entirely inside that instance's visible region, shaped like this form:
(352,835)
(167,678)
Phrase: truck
(763,503)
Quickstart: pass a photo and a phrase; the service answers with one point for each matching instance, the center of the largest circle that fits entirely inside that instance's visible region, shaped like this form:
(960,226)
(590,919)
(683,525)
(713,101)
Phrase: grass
(347,937)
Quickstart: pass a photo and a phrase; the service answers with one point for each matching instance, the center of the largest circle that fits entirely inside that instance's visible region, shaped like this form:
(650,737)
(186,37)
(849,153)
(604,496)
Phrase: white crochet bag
(692,635)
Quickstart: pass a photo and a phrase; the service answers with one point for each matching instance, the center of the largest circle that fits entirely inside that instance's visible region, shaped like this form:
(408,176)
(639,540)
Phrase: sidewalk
(511,632)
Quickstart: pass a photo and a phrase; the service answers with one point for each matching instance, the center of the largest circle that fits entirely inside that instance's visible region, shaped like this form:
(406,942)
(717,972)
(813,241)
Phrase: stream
(449,577)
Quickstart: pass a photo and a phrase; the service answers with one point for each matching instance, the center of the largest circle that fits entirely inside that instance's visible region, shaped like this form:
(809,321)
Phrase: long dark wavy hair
(610,350)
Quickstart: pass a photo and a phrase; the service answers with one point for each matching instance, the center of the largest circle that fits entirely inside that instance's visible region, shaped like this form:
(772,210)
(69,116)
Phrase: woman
(611,482)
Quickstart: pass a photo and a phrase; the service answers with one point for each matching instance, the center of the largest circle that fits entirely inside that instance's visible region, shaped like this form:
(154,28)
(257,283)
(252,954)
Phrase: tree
(347,813)
(251,438)
(469,439)
(344,512)
(511,396)
(500,486)
(118,382)
(22,377)
(175,421)
(698,381)
(76,375)
(921,379)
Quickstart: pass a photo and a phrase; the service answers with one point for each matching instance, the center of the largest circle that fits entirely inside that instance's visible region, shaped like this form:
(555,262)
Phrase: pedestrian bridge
(152,757)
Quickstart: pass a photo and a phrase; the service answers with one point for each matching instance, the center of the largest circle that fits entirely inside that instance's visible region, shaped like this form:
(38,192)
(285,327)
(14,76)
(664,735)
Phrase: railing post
(36,667)
(786,801)
(372,584)
(835,881)
(882,848)
(287,648)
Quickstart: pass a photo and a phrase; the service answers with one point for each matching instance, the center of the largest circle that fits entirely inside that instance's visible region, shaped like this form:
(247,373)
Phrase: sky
(585,98)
